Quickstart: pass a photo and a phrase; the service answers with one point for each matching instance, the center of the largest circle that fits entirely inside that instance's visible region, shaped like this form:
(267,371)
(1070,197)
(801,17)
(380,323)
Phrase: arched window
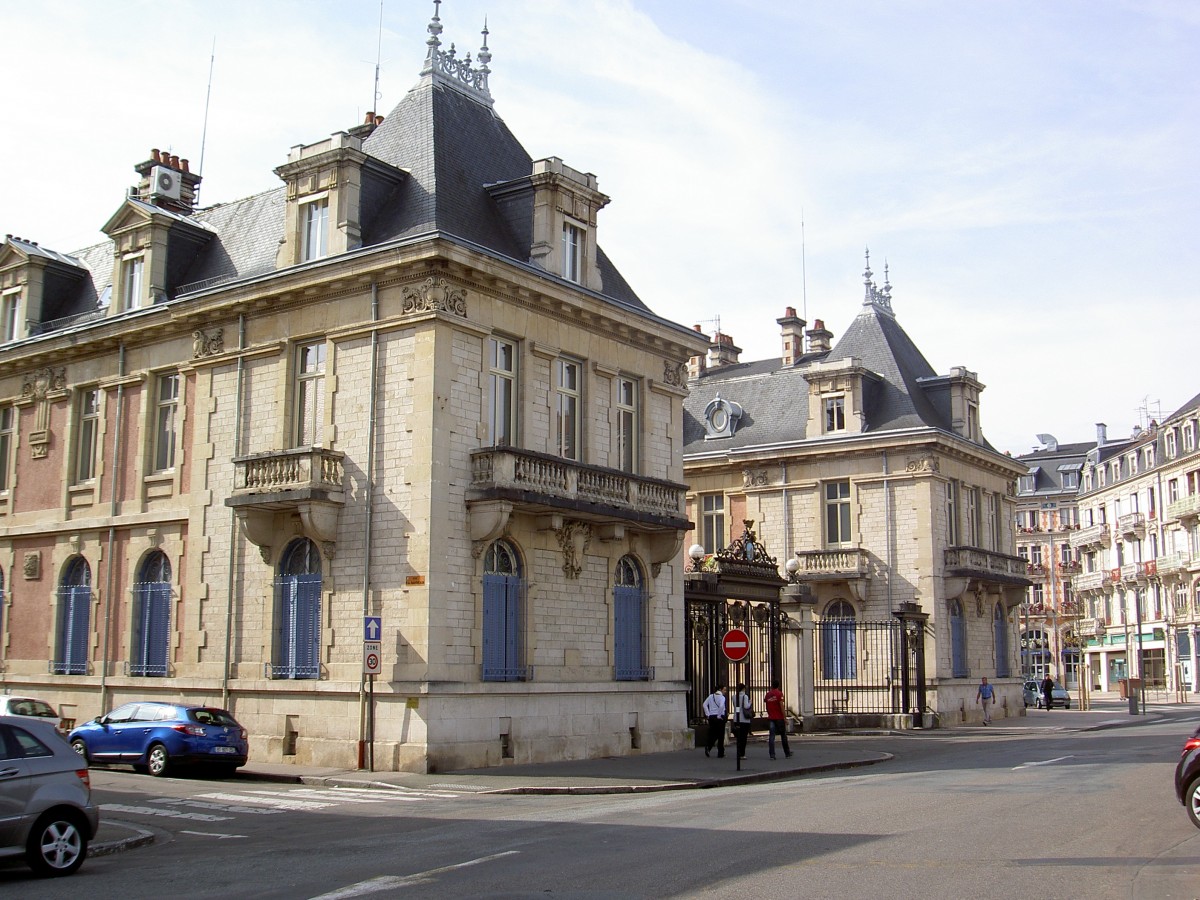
(152,617)
(629,623)
(1000,632)
(298,612)
(503,592)
(74,619)
(839,638)
(958,641)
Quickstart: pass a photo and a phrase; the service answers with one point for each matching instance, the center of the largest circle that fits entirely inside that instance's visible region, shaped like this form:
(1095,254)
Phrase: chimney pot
(154,155)
(370,118)
(790,312)
(174,162)
(184,164)
(379,120)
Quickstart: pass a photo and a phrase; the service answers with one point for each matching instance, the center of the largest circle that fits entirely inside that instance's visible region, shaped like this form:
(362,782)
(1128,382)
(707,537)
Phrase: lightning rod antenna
(378,56)
(803,269)
(212,61)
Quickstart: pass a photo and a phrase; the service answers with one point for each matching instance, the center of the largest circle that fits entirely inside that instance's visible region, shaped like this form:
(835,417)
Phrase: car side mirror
(100,720)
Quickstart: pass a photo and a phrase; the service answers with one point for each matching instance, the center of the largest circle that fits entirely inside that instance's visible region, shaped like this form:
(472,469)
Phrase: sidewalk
(677,770)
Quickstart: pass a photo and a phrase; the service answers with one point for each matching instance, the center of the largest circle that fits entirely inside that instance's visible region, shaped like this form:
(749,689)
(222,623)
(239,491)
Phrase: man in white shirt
(714,708)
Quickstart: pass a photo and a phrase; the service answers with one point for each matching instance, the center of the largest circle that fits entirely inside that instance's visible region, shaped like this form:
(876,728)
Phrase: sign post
(372,666)
(735,644)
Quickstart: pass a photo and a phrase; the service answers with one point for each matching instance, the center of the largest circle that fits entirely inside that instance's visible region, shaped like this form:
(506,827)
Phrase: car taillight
(1193,743)
(242,732)
(194,730)
(82,775)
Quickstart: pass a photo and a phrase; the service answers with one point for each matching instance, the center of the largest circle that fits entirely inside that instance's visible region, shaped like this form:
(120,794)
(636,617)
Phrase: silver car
(46,809)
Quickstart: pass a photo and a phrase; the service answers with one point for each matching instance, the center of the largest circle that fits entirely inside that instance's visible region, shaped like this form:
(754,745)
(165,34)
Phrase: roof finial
(434,28)
(446,68)
(485,55)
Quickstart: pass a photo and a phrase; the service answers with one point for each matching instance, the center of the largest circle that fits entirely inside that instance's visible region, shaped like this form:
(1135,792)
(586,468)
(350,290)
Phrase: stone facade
(229,435)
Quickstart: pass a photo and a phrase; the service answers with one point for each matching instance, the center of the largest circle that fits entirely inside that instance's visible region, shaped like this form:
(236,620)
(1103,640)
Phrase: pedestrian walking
(715,705)
(984,697)
(776,720)
(743,714)
(1048,691)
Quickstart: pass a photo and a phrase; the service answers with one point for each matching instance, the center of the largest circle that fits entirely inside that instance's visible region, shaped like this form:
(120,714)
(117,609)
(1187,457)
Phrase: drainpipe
(887,520)
(233,519)
(112,527)
(366,712)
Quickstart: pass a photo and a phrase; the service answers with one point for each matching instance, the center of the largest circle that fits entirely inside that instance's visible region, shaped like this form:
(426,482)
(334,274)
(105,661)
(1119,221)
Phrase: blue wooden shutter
(502,628)
(74,629)
(308,626)
(847,649)
(1000,626)
(627,632)
(958,642)
(156,623)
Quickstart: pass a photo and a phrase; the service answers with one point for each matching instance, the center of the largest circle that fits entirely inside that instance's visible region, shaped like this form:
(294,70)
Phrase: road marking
(279,802)
(387,882)
(165,813)
(213,834)
(222,807)
(1044,762)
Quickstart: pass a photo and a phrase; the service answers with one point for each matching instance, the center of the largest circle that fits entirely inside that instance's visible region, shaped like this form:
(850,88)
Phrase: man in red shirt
(776,720)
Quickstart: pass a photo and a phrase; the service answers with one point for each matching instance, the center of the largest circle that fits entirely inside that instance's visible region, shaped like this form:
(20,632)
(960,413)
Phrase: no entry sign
(735,645)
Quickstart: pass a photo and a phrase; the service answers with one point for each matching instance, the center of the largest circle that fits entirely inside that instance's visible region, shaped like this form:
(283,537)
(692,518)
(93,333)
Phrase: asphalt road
(982,814)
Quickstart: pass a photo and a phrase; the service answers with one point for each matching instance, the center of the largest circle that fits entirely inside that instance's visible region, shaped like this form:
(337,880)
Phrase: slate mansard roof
(905,392)
(448,147)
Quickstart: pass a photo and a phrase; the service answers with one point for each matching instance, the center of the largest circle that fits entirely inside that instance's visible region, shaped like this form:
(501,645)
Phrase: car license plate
(224,749)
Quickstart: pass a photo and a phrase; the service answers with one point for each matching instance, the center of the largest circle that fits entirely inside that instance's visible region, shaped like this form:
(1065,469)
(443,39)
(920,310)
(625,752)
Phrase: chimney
(819,337)
(697,364)
(1101,434)
(189,182)
(792,331)
(722,351)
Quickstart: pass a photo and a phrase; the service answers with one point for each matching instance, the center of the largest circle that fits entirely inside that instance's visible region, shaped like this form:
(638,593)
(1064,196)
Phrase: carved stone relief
(434,294)
(32,565)
(928,463)
(573,540)
(754,477)
(37,386)
(208,343)
(675,374)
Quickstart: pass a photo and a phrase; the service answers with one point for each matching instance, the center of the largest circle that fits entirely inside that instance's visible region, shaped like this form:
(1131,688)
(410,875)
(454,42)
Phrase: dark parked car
(46,809)
(1187,778)
(155,737)
(1031,695)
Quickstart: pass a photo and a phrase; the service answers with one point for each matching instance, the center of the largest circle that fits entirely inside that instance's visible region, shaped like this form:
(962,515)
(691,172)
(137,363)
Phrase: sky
(1027,171)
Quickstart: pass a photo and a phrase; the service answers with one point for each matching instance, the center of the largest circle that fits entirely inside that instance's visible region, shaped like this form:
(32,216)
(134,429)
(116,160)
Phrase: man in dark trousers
(1048,691)
(714,709)
(743,713)
(776,719)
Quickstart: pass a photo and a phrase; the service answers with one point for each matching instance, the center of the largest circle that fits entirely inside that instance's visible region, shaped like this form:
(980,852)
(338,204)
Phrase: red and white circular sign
(735,645)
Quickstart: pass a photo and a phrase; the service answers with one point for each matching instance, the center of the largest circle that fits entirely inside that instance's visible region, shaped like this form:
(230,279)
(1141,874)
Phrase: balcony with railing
(1090,581)
(1130,572)
(1092,536)
(504,479)
(831,565)
(1074,567)
(305,480)
(1131,524)
(986,565)
(1184,508)
(1173,563)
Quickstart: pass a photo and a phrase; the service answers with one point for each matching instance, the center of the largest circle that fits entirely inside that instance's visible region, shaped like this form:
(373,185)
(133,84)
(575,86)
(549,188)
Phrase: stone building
(869,475)
(1047,514)
(1139,548)
(404,398)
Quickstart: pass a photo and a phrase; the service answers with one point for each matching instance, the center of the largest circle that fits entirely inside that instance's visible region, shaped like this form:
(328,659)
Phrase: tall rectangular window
(572,252)
(972,422)
(972,500)
(627,424)
(991,521)
(165,415)
(131,290)
(316,229)
(310,394)
(9,309)
(712,522)
(837,512)
(502,392)
(835,414)
(87,427)
(952,513)
(566,407)
(7,428)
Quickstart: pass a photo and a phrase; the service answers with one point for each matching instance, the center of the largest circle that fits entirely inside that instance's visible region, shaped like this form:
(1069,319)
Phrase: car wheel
(57,844)
(81,748)
(1066,704)
(1191,799)
(158,761)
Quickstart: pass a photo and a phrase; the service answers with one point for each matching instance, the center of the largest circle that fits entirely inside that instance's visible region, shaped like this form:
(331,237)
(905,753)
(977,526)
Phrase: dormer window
(835,414)
(316,229)
(721,418)
(1027,483)
(133,271)
(9,316)
(572,252)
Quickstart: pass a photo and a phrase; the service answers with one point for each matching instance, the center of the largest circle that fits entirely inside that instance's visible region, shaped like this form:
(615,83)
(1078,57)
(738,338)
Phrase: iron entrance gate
(706,666)
(868,667)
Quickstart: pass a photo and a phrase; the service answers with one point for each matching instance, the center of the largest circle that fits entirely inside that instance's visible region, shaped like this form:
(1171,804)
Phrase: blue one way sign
(372,628)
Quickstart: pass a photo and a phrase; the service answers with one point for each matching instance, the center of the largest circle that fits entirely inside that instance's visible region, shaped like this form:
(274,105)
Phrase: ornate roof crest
(446,68)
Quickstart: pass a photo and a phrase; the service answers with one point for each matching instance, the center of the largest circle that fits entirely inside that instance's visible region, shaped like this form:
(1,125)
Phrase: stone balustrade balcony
(1184,508)
(1092,536)
(1090,581)
(832,565)
(1133,523)
(986,565)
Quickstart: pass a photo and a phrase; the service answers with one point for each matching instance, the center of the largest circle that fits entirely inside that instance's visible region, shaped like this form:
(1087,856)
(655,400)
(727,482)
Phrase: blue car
(156,737)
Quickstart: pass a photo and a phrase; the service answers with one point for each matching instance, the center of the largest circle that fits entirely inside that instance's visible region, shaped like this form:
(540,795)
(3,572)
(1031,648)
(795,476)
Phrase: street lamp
(696,552)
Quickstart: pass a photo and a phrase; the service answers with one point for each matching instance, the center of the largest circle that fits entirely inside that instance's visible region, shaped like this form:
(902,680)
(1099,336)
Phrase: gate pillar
(799,598)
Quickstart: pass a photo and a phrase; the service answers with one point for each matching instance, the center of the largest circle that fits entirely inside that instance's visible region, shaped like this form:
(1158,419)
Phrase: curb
(142,838)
